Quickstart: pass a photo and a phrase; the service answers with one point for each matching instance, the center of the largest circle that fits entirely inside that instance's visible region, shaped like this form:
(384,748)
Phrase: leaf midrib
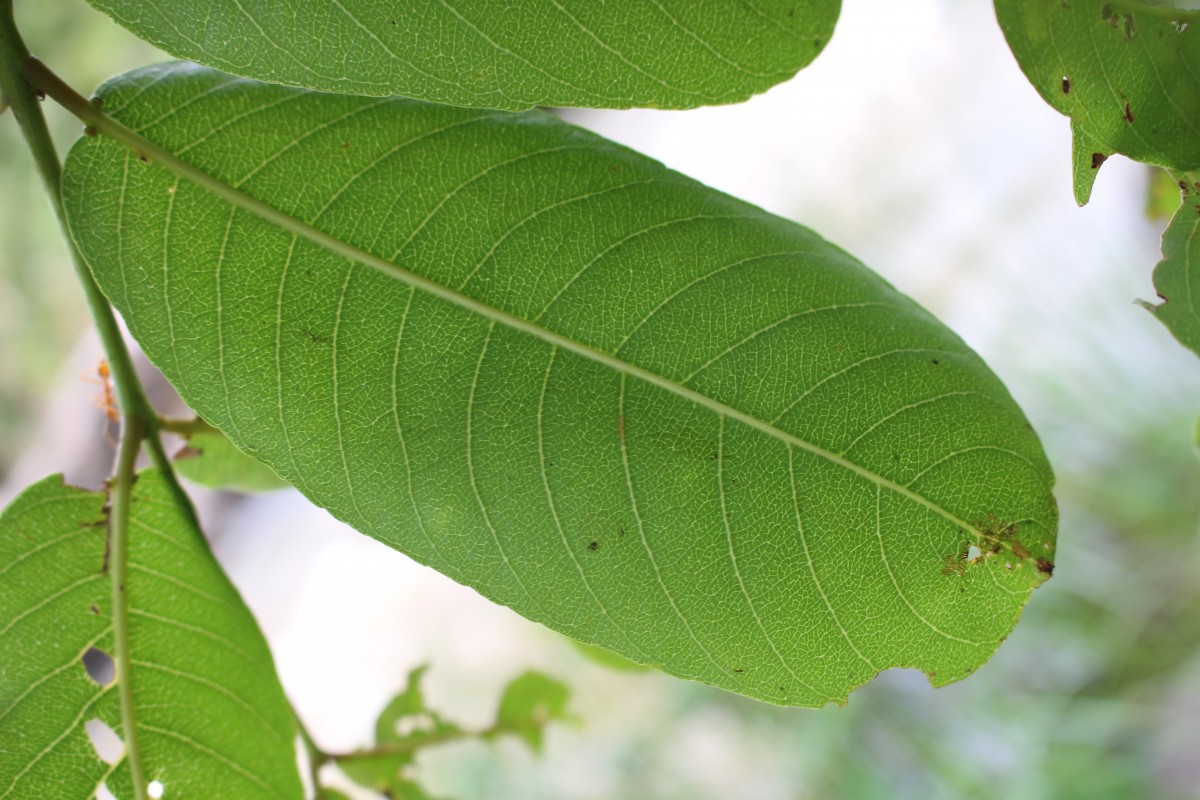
(269,213)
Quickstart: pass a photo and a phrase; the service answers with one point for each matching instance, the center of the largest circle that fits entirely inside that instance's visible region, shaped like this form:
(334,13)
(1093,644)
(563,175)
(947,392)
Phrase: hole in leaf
(155,789)
(99,666)
(973,553)
(105,742)
(103,793)
(413,723)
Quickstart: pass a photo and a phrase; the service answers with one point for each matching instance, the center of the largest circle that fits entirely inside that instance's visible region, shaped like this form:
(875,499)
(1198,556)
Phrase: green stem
(118,554)
(140,421)
(411,746)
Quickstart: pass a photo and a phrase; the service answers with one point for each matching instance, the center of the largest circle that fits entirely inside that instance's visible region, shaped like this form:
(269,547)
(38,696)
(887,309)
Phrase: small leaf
(406,719)
(379,772)
(1123,70)
(1163,196)
(211,460)
(505,54)
(212,720)
(1177,276)
(644,413)
(607,658)
(529,704)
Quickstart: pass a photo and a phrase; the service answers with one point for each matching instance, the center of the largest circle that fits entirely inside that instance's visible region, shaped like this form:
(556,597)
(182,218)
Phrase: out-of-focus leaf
(632,408)
(210,459)
(528,704)
(1163,196)
(507,54)
(607,658)
(212,720)
(406,718)
(1177,276)
(1126,73)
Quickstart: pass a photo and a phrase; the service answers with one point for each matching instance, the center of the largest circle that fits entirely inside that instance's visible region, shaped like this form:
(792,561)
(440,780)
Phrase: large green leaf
(211,718)
(509,54)
(1126,72)
(1177,276)
(641,412)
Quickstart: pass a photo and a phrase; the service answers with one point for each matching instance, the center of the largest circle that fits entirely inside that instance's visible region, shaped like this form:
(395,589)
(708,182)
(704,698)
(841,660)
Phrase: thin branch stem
(413,745)
(140,423)
(120,496)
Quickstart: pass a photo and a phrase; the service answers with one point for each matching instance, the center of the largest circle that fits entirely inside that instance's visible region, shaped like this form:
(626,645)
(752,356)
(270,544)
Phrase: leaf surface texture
(498,53)
(212,719)
(639,411)
(1127,73)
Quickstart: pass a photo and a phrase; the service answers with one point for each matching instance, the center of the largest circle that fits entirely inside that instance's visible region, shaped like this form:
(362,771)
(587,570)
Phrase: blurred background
(915,143)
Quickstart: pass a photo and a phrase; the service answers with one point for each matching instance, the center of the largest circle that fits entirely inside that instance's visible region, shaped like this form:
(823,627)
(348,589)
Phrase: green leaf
(406,719)
(1124,71)
(528,704)
(212,720)
(1162,195)
(607,658)
(643,413)
(498,53)
(210,459)
(1177,276)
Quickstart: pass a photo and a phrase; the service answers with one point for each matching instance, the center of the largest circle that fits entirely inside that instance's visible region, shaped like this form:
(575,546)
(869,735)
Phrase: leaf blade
(1123,71)
(1177,276)
(490,54)
(565,366)
(210,714)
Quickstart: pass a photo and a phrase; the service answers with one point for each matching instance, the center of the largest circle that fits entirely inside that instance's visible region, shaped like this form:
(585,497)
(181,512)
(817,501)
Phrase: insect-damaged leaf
(498,53)
(1127,73)
(211,717)
(639,411)
(1177,276)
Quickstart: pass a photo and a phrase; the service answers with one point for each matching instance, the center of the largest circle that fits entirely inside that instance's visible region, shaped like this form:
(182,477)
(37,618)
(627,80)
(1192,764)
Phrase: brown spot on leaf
(1098,159)
(1019,549)
(1045,567)
(1128,114)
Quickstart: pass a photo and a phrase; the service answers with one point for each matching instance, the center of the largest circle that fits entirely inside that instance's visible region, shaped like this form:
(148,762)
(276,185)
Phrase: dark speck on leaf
(1098,159)
(739,671)
(1066,84)
(934,361)
(1045,567)
(95,609)
(1128,114)
(593,546)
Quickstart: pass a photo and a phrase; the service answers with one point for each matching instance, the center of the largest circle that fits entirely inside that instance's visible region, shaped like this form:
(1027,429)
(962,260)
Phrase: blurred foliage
(41,309)
(407,726)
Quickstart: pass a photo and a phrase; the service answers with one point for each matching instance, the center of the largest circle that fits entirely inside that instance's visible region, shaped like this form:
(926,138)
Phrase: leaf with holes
(211,719)
(1127,73)
(1177,276)
(529,703)
(499,53)
(639,411)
